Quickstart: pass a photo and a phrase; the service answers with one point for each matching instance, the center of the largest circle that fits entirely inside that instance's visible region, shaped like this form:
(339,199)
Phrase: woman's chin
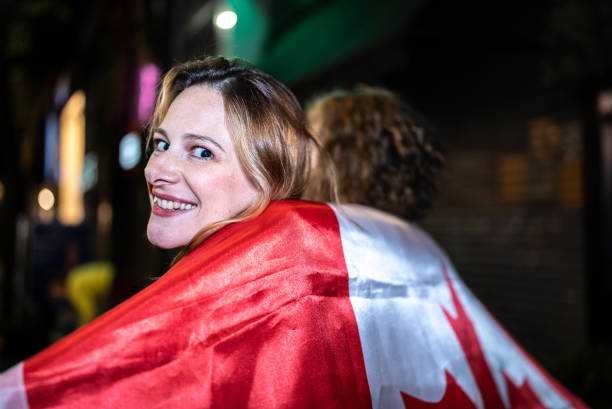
(161,238)
(163,245)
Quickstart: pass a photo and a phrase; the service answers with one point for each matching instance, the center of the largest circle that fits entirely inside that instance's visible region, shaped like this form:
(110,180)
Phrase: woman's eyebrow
(202,138)
(190,136)
(160,131)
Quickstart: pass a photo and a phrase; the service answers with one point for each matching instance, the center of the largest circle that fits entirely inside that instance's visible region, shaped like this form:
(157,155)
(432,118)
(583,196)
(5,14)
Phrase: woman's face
(193,175)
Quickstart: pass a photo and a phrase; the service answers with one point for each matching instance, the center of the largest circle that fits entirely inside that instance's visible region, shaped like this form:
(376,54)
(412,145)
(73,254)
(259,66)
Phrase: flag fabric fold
(305,306)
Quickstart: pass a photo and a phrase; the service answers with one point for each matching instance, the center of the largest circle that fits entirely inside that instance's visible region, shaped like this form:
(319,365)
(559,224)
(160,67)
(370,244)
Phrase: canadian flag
(306,306)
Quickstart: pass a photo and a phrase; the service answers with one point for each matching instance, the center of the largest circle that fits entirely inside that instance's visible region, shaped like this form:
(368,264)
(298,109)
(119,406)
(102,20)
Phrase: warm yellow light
(226,20)
(71,157)
(46,199)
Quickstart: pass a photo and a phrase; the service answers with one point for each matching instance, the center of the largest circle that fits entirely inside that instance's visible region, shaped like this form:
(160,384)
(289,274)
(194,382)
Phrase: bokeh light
(226,20)
(129,151)
(149,77)
(71,210)
(46,199)
(105,214)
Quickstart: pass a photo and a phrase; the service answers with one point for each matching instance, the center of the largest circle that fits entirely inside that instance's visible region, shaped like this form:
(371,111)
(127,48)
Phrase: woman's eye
(201,152)
(160,145)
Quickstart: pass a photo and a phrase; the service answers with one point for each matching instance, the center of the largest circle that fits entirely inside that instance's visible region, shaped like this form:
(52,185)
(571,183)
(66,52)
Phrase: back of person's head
(265,121)
(382,152)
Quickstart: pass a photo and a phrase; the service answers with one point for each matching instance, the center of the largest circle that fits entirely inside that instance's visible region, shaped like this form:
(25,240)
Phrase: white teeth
(171,205)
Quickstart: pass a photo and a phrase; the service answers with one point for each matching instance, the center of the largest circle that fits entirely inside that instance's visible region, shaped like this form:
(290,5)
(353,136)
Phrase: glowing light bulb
(46,199)
(226,20)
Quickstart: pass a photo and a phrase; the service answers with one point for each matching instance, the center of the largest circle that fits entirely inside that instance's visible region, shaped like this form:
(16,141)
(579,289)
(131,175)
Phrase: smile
(172,205)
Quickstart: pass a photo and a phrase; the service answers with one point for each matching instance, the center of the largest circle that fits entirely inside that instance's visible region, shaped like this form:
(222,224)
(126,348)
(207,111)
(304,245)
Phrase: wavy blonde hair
(265,121)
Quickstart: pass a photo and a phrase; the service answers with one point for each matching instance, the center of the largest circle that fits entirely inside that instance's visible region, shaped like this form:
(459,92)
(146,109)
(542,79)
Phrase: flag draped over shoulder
(305,306)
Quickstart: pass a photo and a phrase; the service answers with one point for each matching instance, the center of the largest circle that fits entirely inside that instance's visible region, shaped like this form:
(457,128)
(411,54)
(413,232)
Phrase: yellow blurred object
(89,286)
(512,178)
(71,157)
(570,182)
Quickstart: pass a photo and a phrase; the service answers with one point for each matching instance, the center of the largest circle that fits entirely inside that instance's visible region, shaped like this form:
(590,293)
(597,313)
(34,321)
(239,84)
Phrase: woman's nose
(162,169)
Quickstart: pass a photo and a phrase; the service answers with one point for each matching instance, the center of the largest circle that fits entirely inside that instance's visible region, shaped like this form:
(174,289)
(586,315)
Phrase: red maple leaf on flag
(521,397)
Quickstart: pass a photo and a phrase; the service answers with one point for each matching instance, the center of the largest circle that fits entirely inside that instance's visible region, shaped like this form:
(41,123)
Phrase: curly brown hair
(384,156)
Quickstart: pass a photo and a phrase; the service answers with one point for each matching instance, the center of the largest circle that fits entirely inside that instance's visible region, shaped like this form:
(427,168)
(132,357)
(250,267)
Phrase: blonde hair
(265,121)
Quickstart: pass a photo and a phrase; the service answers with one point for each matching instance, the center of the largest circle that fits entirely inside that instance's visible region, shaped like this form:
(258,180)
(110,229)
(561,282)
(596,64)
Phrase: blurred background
(519,93)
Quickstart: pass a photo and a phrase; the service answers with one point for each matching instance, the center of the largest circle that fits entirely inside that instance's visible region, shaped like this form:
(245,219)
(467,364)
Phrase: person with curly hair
(382,150)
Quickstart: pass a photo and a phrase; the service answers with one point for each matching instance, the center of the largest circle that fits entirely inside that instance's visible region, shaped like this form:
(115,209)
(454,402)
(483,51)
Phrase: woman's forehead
(198,104)
(198,110)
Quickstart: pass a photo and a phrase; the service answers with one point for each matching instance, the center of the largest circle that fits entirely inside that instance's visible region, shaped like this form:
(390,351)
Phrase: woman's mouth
(172,205)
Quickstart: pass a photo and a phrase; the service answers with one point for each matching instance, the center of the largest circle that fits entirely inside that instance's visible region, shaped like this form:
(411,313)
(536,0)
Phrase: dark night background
(519,94)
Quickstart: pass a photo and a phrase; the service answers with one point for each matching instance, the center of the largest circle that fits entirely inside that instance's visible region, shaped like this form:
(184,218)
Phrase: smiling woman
(226,139)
